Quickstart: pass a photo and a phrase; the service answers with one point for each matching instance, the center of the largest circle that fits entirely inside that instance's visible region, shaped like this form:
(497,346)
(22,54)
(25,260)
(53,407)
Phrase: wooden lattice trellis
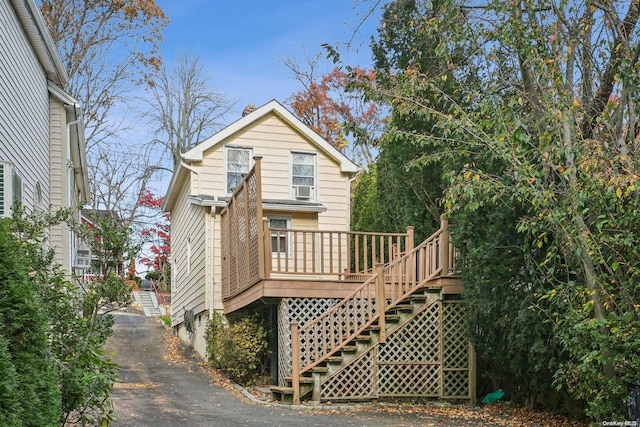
(356,381)
(426,357)
(300,310)
(241,235)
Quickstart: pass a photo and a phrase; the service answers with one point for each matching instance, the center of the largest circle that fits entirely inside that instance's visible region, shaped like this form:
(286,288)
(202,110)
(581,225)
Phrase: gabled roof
(196,154)
(273,106)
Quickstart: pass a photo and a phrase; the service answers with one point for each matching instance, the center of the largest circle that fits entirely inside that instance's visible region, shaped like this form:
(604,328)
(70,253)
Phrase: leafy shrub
(64,324)
(238,349)
(29,394)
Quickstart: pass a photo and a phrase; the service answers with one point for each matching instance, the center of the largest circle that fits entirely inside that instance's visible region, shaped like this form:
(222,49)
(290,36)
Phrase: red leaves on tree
(159,234)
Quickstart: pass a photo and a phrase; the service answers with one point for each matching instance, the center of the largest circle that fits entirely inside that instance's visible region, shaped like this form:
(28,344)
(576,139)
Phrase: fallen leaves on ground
(136,385)
(498,414)
(174,351)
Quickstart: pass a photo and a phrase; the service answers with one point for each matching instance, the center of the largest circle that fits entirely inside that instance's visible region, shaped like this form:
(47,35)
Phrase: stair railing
(322,337)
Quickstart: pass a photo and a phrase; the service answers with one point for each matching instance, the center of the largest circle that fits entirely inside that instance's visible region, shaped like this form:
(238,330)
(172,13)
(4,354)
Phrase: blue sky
(242,43)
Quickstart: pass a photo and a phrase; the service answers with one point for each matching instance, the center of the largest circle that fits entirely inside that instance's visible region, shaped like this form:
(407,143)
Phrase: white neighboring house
(42,147)
(305,183)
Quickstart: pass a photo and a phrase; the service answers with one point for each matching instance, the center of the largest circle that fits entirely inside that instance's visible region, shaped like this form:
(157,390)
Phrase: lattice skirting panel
(301,310)
(356,381)
(426,357)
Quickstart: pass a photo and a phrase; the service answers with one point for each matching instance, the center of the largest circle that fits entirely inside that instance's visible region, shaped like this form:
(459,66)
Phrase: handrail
(328,333)
(347,254)
(159,296)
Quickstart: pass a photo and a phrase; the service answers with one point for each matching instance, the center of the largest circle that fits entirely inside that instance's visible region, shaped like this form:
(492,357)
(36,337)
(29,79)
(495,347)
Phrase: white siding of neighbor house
(24,108)
(188,225)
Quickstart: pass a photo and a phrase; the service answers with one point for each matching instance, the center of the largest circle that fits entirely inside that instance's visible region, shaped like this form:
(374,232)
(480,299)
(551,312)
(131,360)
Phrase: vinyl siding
(188,225)
(274,140)
(57,158)
(24,108)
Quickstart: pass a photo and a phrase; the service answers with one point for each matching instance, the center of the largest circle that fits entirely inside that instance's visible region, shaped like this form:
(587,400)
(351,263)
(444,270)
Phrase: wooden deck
(261,262)
(381,279)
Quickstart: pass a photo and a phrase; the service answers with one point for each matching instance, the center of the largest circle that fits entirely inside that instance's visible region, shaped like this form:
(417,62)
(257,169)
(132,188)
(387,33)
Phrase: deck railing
(320,338)
(345,254)
(241,239)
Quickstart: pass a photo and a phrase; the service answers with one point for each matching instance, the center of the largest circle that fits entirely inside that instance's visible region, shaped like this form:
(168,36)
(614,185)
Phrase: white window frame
(174,277)
(314,187)
(287,237)
(10,177)
(227,148)
(189,256)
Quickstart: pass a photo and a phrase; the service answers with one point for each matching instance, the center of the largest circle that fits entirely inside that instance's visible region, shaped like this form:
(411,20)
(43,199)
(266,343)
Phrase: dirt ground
(162,383)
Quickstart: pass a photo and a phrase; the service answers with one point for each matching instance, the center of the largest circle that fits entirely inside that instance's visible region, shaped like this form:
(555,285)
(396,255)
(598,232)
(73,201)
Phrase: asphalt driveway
(153,390)
(156,388)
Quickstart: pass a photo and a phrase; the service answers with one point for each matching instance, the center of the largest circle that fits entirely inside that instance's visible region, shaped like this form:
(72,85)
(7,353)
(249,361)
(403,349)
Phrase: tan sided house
(260,224)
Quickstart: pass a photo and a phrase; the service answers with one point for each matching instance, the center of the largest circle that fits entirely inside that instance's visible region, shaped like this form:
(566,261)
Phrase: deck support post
(410,269)
(410,243)
(295,362)
(444,247)
(315,394)
(381,302)
(472,375)
(266,249)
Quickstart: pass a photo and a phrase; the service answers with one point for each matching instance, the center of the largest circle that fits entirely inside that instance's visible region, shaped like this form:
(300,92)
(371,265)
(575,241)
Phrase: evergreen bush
(29,393)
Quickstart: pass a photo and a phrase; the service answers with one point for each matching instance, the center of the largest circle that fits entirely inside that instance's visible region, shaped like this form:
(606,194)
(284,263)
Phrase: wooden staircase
(394,295)
(395,317)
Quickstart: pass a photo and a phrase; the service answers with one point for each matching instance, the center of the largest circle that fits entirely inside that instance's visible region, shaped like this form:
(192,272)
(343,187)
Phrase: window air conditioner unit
(303,192)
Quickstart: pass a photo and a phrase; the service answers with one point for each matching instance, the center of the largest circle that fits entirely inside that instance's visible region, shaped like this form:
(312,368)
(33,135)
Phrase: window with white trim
(238,165)
(38,193)
(189,256)
(303,175)
(10,188)
(279,241)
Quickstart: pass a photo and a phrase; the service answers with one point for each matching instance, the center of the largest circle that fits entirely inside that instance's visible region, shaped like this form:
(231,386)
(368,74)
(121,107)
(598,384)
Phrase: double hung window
(303,175)
(238,165)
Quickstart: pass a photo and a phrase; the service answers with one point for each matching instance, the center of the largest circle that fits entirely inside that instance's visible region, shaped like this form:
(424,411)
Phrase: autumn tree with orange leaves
(335,106)
(108,48)
(104,47)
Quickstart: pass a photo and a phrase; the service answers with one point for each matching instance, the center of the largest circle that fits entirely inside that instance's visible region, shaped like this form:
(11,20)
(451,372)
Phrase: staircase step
(283,394)
(402,309)
(392,318)
(349,349)
(301,380)
(319,369)
(363,338)
(335,359)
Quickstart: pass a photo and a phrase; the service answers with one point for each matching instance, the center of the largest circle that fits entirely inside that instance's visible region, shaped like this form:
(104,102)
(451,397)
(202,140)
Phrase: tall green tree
(406,192)
(555,109)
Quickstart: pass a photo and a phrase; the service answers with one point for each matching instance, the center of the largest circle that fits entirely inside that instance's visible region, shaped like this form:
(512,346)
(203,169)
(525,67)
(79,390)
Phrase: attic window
(238,165)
